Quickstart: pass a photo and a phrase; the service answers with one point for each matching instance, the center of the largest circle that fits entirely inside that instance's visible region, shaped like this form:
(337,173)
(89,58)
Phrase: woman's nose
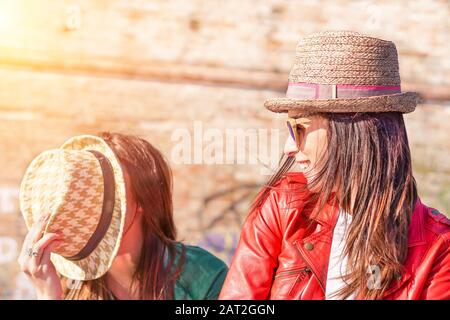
(290,147)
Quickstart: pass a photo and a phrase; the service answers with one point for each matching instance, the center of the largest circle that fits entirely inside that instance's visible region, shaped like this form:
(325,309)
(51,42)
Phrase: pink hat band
(305,91)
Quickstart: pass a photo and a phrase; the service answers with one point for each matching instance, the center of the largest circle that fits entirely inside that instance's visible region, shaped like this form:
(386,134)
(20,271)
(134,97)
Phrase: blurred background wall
(150,68)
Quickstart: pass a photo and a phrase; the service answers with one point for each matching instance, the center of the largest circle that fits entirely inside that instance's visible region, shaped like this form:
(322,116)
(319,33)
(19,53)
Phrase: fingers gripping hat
(344,71)
(81,186)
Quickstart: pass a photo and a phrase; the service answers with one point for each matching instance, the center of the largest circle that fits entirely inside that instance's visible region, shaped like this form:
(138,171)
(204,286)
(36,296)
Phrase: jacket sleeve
(437,286)
(256,258)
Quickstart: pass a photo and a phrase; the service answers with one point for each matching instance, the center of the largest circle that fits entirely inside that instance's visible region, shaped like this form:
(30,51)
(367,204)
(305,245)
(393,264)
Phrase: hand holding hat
(81,186)
(34,260)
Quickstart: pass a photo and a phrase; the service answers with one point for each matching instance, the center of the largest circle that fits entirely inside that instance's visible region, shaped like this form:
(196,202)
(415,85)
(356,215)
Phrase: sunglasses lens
(291,130)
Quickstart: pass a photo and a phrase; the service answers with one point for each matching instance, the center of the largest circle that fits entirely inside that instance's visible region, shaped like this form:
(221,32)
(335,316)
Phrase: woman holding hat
(346,221)
(99,210)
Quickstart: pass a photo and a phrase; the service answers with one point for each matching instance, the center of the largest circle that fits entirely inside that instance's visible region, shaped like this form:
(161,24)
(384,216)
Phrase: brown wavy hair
(367,158)
(151,184)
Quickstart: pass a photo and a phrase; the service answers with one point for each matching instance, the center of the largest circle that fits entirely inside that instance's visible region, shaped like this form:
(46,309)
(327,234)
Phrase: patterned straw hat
(81,186)
(344,71)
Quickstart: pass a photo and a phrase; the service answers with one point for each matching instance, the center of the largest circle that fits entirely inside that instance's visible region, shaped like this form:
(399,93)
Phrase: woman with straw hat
(346,221)
(99,211)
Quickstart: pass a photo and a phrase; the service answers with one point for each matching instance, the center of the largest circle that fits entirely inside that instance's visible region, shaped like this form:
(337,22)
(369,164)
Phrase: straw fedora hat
(344,71)
(81,186)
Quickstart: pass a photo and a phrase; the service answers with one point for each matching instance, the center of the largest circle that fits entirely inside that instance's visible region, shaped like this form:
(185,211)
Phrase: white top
(337,264)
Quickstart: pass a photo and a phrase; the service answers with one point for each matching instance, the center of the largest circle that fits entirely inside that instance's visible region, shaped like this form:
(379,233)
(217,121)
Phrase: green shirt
(202,276)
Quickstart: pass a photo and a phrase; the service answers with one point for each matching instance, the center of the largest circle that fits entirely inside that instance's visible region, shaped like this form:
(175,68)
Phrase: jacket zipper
(299,276)
(290,272)
(307,260)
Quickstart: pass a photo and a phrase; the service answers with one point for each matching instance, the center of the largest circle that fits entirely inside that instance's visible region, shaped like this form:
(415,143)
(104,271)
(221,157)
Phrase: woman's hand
(34,261)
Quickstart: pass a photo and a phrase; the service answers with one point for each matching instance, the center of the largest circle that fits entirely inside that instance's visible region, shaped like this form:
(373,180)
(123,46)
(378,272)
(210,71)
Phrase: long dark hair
(367,157)
(151,184)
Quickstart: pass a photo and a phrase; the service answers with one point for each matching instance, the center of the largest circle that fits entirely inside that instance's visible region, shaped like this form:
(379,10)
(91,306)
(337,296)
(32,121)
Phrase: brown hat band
(302,90)
(107,208)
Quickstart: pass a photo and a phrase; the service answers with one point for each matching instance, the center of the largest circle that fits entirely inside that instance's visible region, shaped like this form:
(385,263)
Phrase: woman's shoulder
(197,257)
(202,275)
(437,223)
(430,227)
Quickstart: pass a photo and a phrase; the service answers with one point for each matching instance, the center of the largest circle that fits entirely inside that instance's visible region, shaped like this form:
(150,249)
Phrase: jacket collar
(416,234)
(328,217)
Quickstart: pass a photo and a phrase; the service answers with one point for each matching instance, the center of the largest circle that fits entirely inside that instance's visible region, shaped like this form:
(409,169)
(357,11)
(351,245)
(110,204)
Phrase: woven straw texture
(68,183)
(346,58)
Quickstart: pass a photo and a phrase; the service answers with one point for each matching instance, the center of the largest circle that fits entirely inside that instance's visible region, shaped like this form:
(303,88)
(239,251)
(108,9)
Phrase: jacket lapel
(416,237)
(416,230)
(315,248)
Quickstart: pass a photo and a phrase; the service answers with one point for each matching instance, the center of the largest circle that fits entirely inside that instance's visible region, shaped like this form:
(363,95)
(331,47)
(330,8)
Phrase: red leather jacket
(280,257)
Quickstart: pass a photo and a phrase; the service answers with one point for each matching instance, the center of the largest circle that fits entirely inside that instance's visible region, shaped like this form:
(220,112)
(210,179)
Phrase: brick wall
(148,67)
